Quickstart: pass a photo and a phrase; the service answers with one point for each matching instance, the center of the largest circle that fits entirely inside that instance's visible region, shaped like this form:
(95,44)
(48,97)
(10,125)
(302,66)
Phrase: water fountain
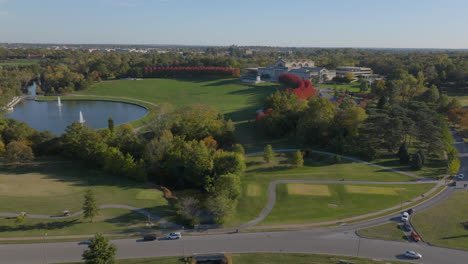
(81,118)
(59,103)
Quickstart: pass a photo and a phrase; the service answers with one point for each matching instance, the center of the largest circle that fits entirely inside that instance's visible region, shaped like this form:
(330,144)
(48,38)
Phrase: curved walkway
(161,221)
(272,200)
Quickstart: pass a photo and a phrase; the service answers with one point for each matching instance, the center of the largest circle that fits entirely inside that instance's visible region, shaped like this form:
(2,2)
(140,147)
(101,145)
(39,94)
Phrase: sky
(298,23)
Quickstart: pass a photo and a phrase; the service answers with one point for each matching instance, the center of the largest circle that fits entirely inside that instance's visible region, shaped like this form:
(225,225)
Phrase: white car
(413,255)
(175,235)
(405,217)
(461,176)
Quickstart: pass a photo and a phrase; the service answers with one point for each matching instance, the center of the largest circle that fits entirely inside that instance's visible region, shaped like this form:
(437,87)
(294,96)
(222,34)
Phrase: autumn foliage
(168,193)
(167,72)
(300,87)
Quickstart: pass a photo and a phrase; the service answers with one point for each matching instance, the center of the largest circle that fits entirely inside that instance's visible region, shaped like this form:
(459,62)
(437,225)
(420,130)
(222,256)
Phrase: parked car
(413,255)
(415,236)
(66,213)
(407,227)
(175,235)
(411,211)
(86,242)
(461,176)
(150,237)
(404,217)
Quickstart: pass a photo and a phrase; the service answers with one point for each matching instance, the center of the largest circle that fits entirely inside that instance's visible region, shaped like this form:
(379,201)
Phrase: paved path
(159,220)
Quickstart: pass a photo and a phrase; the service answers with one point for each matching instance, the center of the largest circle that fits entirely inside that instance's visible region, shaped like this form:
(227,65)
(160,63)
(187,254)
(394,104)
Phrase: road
(339,240)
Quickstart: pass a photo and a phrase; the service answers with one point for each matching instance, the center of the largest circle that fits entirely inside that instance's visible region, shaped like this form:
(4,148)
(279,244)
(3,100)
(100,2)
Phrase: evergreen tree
(382,101)
(268,153)
(110,124)
(423,156)
(403,153)
(297,159)
(100,251)
(417,161)
(90,207)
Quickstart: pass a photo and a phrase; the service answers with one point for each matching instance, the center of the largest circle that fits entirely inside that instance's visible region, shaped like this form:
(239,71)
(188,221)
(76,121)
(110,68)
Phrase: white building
(357,71)
(304,69)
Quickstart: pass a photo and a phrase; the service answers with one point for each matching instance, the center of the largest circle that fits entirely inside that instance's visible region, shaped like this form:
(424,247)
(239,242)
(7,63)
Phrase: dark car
(407,227)
(149,238)
(410,211)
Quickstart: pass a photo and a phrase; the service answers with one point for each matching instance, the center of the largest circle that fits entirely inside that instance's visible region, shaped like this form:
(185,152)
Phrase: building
(304,69)
(357,71)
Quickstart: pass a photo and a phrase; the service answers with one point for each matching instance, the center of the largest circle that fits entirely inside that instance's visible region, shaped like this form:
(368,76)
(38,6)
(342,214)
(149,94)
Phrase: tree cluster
(184,72)
(302,88)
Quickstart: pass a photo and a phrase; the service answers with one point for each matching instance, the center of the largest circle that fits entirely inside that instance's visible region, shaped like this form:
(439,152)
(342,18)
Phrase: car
(175,235)
(461,176)
(411,211)
(405,217)
(405,214)
(150,237)
(415,236)
(407,227)
(86,242)
(412,254)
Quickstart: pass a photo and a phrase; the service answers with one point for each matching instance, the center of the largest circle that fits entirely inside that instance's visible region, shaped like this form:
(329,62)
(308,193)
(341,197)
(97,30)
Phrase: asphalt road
(309,241)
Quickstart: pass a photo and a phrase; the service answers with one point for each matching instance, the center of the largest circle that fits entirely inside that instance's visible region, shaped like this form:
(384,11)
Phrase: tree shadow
(454,237)
(49,226)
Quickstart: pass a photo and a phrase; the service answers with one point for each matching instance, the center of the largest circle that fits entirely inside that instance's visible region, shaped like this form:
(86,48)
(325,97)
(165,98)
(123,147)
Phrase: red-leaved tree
(302,88)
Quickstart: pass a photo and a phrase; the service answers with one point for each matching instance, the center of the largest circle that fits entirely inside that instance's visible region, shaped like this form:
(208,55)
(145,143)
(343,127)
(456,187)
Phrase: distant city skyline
(296,23)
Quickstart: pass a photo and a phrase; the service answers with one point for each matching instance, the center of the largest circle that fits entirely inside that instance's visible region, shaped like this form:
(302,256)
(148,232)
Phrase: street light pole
(45,248)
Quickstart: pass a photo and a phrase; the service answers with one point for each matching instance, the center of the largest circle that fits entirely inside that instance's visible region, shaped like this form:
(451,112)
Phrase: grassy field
(237,101)
(109,221)
(342,201)
(267,258)
(351,87)
(50,187)
(389,231)
(441,225)
(434,168)
(259,175)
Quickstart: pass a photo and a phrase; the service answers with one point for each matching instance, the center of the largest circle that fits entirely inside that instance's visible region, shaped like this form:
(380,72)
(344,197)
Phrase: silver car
(413,255)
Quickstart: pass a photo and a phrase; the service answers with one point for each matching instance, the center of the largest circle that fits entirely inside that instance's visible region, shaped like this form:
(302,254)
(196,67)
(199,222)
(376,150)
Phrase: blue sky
(306,23)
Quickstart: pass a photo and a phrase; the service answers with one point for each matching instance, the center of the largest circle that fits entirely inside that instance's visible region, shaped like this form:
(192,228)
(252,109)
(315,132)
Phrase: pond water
(47,115)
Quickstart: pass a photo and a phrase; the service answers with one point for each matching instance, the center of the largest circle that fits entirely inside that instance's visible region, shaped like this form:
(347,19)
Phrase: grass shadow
(49,226)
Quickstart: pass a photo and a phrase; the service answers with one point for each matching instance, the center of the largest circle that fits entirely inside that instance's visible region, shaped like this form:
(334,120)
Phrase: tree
(403,153)
(100,251)
(19,220)
(363,85)
(110,124)
(349,76)
(2,149)
(17,151)
(189,208)
(229,185)
(268,153)
(239,149)
(221,207)
(417,162)
(90,207)
(454,166)
(297,159)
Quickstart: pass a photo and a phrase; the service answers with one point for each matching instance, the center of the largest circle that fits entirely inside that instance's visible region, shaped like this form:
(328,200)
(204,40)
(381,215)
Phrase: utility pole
(359,246)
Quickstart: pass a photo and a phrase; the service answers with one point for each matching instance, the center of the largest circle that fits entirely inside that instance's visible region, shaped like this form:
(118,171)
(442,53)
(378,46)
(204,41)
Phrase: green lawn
(351,87)
(259,174)
(52,186)
(267,258)
(236,100)
(389,231)
(434,168)
(441,225)
(109,221)
(310,204)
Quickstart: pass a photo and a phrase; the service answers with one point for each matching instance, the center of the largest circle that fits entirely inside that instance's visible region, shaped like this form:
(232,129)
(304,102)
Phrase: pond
(48,115)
